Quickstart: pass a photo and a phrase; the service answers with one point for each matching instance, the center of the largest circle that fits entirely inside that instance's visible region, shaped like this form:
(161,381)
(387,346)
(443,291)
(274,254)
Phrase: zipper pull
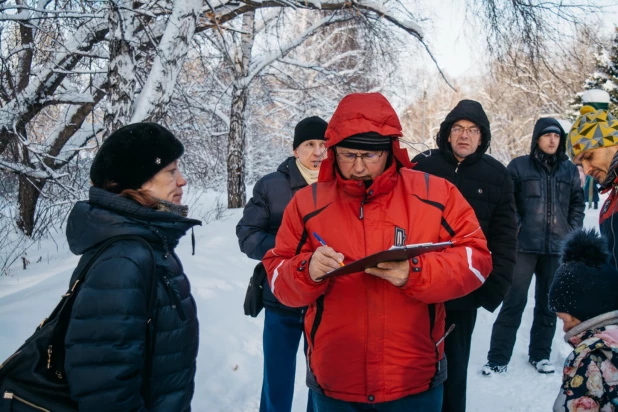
(445,335)
(49,353)
(8,395)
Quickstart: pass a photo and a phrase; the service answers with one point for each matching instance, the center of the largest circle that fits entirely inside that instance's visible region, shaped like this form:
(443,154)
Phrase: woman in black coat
(256,231)
(137,190)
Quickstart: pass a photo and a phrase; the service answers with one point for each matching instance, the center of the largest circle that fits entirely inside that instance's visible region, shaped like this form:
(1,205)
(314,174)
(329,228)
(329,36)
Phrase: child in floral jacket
(584,294)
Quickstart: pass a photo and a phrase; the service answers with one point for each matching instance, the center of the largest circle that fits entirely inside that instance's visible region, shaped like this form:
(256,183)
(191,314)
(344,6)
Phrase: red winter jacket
(370,341)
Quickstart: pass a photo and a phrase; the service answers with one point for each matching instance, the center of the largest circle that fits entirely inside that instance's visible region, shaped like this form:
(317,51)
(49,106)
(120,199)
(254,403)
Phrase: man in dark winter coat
(486,184)
(256,231)
(593,143)
(550,204)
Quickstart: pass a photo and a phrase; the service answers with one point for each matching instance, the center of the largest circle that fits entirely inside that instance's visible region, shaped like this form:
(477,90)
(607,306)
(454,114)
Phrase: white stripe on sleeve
(472,268)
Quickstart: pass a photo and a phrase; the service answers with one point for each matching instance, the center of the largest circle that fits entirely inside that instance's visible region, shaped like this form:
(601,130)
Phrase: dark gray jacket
(105,359)
(549,200)
(257,229)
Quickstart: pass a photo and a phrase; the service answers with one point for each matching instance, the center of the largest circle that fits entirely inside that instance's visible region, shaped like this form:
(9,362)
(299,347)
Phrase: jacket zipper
(549,203)
(11,395)
(173,297)
(9,358)
(362,214)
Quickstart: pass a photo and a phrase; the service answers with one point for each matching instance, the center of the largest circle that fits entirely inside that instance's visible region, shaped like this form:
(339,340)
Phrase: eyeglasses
(365,157)
(472,131)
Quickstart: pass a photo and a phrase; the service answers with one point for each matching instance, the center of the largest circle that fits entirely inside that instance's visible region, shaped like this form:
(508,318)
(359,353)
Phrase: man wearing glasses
(550,204)
(375,337)
(485,183)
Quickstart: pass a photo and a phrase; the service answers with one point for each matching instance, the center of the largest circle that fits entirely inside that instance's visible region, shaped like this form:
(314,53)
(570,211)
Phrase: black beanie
(465,110)
(368,141)
(585,285)
(132,155)
(552,128)
(310,128)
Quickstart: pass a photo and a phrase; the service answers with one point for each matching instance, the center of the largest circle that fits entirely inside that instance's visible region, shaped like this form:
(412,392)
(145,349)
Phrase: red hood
(362,113)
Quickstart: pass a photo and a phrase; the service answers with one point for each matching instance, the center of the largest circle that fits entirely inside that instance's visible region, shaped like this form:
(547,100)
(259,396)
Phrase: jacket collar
(381,185)
(106,215)
(289,168)
(580,332)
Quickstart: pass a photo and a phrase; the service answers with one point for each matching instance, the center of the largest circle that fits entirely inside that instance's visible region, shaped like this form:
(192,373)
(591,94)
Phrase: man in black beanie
(309,128)
(485,183)
(550,204)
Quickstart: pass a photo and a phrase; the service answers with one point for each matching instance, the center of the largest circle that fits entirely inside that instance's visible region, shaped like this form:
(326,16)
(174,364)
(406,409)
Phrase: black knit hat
(310,128)
(585,285)
(132,155)
(368,141)
(465,110)
(552,128)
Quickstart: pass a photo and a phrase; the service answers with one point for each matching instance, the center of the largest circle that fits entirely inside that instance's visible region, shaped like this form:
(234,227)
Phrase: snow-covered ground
(230,362)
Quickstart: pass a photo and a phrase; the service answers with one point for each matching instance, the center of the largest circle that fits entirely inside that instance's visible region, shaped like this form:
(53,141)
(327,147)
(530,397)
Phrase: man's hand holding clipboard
(392,255)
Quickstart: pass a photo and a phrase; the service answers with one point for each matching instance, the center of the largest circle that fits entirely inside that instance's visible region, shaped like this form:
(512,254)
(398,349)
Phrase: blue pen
(323,243)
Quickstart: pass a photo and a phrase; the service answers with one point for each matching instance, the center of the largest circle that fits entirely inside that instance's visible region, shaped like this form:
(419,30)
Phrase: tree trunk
(236,196)
(28,196)
(121,73)
(157,92)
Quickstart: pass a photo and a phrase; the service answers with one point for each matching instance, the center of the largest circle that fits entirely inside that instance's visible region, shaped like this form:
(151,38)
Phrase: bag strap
(152,281)
(152,296)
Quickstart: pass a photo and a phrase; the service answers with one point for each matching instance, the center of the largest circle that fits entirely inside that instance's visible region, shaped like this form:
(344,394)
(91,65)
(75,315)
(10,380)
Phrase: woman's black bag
(253,299)
(33,378)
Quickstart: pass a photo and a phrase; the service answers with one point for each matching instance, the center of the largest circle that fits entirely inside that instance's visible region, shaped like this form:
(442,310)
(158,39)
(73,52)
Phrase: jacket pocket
(17,398)
(532,188)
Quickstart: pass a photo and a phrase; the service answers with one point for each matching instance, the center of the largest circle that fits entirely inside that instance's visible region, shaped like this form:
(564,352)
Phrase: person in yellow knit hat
(593,144)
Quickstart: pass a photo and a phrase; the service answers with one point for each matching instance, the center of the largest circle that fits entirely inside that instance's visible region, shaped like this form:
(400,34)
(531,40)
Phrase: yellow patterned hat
(591,130)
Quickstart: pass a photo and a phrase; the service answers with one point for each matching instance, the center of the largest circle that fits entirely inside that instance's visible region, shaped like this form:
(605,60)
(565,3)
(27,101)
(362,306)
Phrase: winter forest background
(231,78)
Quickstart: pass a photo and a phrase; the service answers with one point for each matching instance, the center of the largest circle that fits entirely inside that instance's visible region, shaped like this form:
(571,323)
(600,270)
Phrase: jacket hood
(360,113)
(539,126)
(465,110)
(106,214)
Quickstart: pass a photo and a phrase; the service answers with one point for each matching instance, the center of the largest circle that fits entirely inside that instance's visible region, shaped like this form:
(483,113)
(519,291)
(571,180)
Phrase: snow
(595,96)
(230,359)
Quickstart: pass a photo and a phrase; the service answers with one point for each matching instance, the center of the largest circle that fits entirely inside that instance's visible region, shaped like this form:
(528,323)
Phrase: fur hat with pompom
(585,285)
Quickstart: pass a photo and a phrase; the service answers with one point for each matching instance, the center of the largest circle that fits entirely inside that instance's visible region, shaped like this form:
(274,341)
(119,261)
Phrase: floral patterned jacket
(590,377)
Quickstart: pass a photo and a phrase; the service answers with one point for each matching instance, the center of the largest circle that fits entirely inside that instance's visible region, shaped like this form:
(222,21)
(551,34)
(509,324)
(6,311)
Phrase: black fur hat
(585,285)
(132,155)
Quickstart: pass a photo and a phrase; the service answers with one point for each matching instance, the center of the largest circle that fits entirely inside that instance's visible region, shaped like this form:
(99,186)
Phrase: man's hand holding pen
(324,260)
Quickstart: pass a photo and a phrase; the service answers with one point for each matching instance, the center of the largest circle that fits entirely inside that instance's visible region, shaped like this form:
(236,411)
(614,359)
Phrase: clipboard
(396,253)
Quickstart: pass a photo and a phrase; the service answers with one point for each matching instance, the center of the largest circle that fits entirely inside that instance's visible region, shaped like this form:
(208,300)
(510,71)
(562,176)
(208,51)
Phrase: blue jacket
(105,355)
(257,229)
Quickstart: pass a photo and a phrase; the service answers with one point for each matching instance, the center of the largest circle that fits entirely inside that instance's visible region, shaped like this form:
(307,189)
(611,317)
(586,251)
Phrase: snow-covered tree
(604,76)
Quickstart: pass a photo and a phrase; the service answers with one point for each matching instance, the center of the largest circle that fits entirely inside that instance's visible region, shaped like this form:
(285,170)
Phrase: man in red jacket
(375,337)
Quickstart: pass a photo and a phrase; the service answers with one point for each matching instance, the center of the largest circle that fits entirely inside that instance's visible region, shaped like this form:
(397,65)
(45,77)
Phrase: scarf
(549,161)
(310,176)
(165,206)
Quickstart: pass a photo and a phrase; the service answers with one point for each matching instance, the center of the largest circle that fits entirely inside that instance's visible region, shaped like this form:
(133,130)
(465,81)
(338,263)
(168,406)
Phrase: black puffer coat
(486,185)
(105,340)
(257,229)
(550,204)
